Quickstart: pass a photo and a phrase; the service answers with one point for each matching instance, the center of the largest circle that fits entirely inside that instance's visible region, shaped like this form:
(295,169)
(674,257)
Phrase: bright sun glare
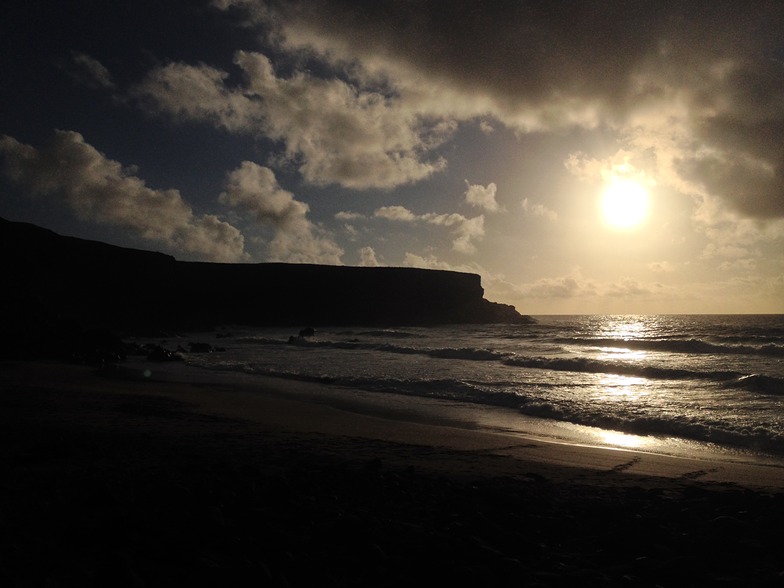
(624,203)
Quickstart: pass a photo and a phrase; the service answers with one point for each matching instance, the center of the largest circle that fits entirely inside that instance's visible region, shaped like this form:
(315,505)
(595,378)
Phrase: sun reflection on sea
(617,388)
(616,439)
(621,353)
(625,327)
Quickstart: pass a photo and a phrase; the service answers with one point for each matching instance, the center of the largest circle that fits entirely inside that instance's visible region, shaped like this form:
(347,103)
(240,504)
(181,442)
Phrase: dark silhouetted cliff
(51,281)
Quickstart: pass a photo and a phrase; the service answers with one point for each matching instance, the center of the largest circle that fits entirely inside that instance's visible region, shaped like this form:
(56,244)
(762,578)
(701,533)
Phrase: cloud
(622,164)
(739,265)
(395,213)
(752,187)
(89,71)
(561,287)
(538,210)
(101,190)
(486,127)
(348,216)
(351,231)
(661,267)
(466,230)
(578,287)
(699,92)
(199,92)
(254,189)
(627,288)
(482,197)
(336,133)
(432,262)
(535,60)
(367,257)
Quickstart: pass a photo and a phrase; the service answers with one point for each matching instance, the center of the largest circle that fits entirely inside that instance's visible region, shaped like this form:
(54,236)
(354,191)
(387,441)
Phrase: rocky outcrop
(52,281)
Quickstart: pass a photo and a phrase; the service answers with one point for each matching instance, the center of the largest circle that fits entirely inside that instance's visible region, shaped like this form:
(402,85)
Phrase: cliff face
(51,279)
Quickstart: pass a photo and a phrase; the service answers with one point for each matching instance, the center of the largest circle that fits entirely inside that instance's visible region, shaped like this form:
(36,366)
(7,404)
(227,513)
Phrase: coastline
(117,457)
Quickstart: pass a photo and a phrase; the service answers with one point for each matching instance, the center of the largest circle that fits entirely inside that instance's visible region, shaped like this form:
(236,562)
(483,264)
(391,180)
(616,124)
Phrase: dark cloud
(89,71)
(752,188)
(742,140)
(533,51)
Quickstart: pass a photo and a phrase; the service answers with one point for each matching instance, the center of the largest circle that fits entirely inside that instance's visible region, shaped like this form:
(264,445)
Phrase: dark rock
(160,354)
(200,347)
(55,286)
(307,332)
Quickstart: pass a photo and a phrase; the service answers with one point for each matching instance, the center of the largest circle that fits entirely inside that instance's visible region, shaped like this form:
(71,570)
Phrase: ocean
(679,384)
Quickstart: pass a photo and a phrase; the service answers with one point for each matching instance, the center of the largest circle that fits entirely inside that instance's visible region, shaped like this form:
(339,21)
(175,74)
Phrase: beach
(119,476)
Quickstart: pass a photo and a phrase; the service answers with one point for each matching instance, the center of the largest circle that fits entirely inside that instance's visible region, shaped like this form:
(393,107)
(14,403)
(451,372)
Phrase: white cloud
(199,92)
(101,190)
(538,210)
(466,230)
(348,216)
(560,287)
(482,197)
(486,127)
(628,288)
(351,231)
(432,262)
(395,213)
(305,246)
(623,163)
(739,265)
(661,267)
(367,257)
(577,287)
(255,189)
(335,132)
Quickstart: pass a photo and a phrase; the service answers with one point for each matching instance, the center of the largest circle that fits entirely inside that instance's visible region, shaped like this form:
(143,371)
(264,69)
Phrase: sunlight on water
(621,354)
(623,440)
(625,388)
(625,327)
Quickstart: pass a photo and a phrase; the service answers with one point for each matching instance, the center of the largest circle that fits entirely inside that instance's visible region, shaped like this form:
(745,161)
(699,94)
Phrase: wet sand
(118,479)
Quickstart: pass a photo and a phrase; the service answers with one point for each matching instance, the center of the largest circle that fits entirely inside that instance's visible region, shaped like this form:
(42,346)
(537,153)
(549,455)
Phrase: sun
(624,203)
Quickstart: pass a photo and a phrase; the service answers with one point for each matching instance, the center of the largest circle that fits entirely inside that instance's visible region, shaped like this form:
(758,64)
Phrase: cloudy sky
(582,157)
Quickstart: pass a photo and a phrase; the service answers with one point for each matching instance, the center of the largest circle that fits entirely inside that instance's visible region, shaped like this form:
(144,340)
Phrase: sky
(582,157)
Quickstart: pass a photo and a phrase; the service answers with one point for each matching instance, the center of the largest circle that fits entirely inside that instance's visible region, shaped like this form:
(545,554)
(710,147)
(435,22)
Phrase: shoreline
(304,407)
(450,416)
(153,482)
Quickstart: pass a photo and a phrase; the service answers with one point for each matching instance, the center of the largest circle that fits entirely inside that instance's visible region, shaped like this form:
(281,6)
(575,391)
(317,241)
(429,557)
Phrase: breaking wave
(728,378)
(596,366)
(690,346)
(719,432)
(530,402)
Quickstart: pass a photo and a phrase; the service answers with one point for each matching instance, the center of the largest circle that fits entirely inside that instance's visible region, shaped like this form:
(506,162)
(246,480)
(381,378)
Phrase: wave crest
(689,346)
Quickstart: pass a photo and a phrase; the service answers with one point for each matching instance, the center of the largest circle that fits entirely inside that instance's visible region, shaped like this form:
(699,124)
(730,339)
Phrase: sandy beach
(116,478)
